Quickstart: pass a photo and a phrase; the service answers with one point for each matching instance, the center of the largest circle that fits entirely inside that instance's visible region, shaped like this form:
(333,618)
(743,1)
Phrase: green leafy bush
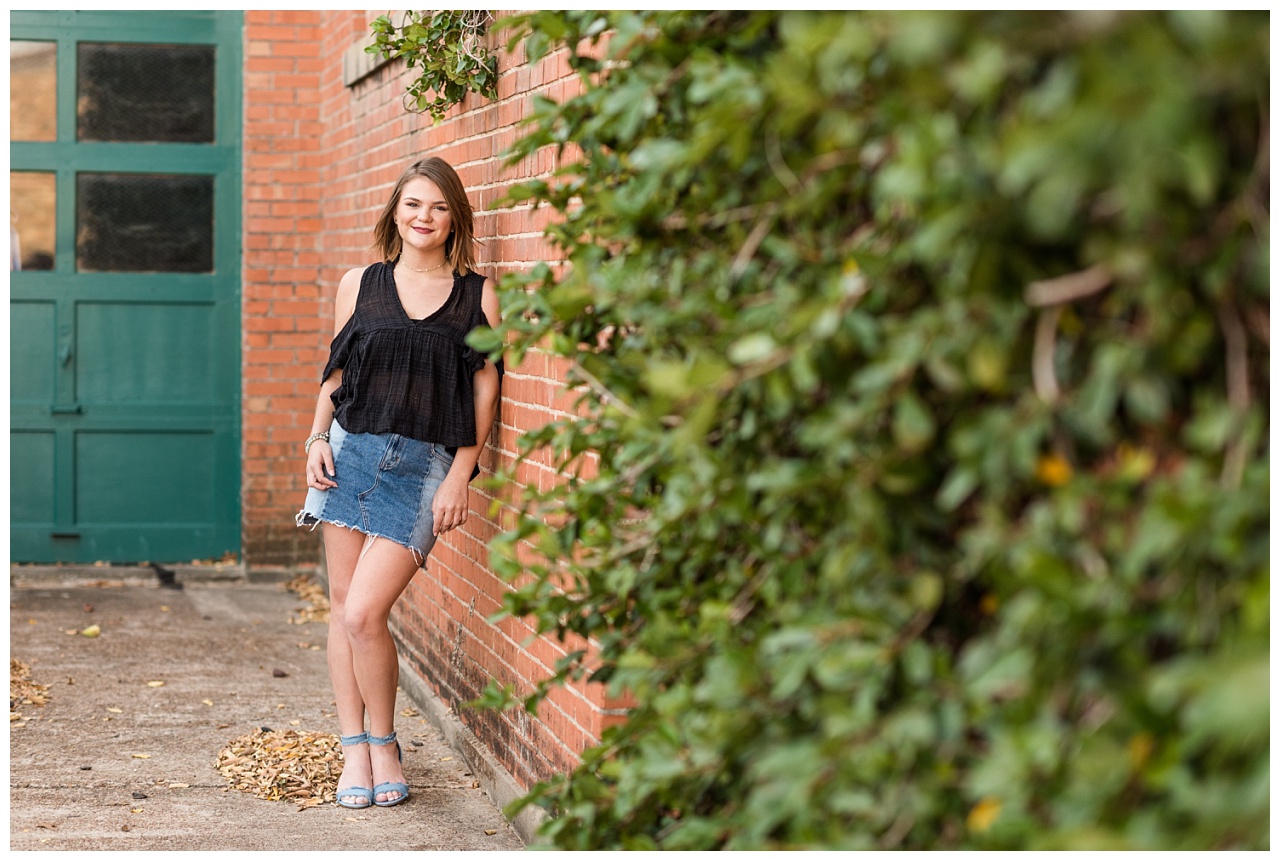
(925,359)
(449,47)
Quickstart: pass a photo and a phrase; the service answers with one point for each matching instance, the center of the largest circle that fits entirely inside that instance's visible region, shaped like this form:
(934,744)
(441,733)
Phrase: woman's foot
(386,759)
(357,773)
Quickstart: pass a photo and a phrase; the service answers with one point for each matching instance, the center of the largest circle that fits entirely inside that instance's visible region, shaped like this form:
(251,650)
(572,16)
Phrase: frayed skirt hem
(306,518)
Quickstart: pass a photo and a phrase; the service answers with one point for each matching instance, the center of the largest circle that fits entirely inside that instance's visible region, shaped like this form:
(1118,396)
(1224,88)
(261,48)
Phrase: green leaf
(485,340)
(751,348)
(913,425)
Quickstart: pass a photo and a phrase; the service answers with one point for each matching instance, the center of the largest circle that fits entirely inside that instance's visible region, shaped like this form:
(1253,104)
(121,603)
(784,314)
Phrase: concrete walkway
(112,762)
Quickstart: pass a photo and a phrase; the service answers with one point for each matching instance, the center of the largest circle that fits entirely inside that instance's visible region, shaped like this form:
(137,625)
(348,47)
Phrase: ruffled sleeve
(473,359)
(340,350)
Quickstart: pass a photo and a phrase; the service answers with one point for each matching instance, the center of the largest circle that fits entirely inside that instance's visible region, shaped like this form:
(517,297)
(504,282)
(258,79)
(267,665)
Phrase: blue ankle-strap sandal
(389,786)
(357,791)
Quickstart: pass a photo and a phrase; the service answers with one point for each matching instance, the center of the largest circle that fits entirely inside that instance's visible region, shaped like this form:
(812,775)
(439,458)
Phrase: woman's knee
(362,621)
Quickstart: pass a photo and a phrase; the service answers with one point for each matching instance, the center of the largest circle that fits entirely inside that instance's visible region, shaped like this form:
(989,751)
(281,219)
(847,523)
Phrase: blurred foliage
(918,496)
(449,47)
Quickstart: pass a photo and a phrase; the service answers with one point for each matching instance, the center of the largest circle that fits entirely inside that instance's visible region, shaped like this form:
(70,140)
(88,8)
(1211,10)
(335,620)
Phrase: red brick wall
(285,272)
(320,158)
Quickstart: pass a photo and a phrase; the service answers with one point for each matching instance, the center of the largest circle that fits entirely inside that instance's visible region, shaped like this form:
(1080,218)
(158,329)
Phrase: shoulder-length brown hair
(459,247)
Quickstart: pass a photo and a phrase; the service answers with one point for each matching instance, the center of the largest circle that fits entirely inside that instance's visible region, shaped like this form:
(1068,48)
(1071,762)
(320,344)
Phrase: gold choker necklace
(432,269)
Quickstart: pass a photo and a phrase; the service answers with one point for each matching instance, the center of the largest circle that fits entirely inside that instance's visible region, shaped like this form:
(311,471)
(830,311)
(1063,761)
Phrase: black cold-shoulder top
(405,376)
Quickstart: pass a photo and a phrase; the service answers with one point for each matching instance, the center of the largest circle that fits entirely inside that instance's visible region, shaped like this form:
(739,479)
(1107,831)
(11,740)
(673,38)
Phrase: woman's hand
(320,466)
(449,505)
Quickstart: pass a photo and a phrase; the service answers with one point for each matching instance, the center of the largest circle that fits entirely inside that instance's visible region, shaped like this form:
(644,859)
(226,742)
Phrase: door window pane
(144,223)
(145,93)
(32,216)
(33,91)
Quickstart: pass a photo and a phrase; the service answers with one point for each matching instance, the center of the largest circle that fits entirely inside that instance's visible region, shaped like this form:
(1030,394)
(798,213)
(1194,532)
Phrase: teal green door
(124,286)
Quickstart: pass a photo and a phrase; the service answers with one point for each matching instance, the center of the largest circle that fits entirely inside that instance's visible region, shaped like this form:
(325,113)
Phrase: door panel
(33,335)
(121,343)
(172,469)
(31,477)
(125,293)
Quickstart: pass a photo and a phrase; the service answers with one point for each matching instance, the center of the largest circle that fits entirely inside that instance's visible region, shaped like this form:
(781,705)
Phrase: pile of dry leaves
(288,765)
(22,690)
(310,591)
(284,765)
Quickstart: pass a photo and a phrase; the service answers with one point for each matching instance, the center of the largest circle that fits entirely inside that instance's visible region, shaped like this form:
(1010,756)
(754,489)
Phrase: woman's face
(422,215)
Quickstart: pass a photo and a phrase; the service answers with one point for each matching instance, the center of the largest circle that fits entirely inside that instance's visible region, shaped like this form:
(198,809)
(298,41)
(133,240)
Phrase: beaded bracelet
(324,435)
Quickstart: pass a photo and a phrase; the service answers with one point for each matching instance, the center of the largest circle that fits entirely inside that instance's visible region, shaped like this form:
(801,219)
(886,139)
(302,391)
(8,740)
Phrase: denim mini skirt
(386,483)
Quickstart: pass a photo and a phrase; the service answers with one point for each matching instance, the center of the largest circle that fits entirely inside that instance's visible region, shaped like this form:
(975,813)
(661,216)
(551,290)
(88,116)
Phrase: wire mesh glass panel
(33,91)
(144,223)
(161,93)
(32,217)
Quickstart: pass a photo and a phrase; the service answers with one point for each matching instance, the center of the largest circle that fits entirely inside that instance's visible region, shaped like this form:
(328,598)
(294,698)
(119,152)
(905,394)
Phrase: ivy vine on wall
(449,47)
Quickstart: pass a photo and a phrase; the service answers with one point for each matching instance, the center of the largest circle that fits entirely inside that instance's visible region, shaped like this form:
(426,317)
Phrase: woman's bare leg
(383,571)
(342,551)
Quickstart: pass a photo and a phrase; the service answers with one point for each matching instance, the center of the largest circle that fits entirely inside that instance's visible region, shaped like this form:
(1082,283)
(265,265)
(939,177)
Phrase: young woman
(404,409)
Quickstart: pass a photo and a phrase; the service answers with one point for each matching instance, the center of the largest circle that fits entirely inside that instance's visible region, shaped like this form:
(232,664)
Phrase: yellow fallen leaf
(179,786)
(409,713)
(140,755)
(491,831)
(1053,470)
(1140,748)
(116,711)
(31,621)
(295,723)
(984,814)
(155,684)
(135,809)
(164,609)
(207,702)
(71,631)
(91,631)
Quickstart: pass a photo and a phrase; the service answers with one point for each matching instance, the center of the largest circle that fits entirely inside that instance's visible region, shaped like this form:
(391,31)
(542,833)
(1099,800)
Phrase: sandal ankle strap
(381,740)
(349,740)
